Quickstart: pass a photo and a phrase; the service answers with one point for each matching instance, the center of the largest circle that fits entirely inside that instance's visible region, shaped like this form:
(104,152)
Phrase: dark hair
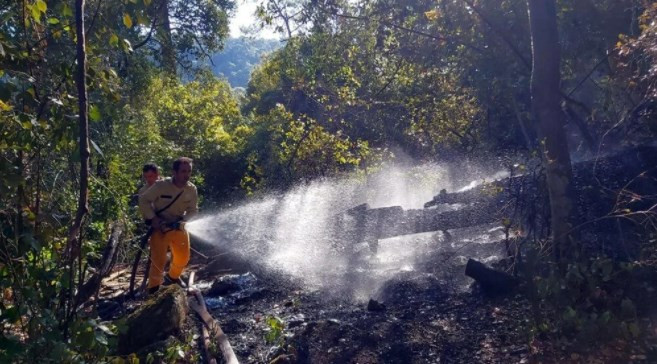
(150,167)
(181,160)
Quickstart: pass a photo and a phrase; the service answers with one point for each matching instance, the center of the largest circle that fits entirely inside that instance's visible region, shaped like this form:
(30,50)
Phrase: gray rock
(158,318)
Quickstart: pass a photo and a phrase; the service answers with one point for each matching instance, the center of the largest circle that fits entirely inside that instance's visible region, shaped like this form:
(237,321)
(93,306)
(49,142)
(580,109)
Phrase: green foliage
(288,148)
(275,330)
(175,351)
(639,64)
(39,157)
(194,118)
(200,119)
(591,302)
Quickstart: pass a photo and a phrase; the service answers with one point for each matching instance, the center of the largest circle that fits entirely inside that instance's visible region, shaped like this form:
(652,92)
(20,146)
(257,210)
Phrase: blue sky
(244,17)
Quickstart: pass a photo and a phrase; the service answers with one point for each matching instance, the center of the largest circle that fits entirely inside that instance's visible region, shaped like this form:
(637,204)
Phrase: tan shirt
(145,187)
(161,194)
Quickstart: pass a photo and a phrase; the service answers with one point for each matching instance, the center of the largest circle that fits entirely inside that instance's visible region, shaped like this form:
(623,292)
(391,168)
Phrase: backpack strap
(158,212)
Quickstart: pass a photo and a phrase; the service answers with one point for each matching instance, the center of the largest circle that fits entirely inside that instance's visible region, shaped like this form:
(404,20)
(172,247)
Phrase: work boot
(153,290)
(169,281)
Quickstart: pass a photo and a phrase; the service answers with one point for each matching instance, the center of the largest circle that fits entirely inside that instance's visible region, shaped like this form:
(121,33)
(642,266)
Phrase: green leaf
(10,345)
(127,46)
(4,106)
(114,40)
(53,21)
(127,20)
(634,329)
(106,330)
(432,15)
(142,20)
(11,314)
(569,314)
(42,6)
(36,14)
(101,338)
(147,2)
(97,148)
(67,11)
(94,113)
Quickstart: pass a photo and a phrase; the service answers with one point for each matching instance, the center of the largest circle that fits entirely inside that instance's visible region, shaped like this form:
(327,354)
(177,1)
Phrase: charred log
(371,225)
(596,178)
(493,282)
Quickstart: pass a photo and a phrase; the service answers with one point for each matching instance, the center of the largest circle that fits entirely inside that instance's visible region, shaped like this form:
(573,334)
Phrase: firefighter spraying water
(166,207)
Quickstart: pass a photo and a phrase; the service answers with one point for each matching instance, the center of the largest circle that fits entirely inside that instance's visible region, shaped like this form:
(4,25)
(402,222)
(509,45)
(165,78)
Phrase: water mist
(294,232)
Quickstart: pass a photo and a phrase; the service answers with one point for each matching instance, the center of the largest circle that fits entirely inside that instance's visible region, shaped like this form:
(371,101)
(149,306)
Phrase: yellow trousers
(178,241)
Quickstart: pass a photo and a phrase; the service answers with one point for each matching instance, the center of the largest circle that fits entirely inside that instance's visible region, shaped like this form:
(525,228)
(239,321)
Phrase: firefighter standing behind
(167,205)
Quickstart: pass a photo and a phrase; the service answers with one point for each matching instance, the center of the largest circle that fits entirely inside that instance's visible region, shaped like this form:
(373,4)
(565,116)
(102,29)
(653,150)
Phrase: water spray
(296,232)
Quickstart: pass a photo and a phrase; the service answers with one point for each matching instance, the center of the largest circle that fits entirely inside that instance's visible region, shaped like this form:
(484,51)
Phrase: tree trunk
(221,340)
(551,120)
(74,241)
(167,51)
(83,107)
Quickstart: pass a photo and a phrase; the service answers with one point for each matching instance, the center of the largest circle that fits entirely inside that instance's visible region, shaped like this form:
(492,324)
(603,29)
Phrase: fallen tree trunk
(221,339)
(610,172)
(373,224)
(206,345)
(493,282)
(90,287)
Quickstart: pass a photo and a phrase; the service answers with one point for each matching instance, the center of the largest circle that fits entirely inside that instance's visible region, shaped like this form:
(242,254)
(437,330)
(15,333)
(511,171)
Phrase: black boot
(169,281)
(153,290)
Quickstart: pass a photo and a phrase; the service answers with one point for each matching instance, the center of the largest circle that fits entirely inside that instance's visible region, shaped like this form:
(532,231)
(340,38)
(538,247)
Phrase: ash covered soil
(414,322)
(394,312)
(430,314)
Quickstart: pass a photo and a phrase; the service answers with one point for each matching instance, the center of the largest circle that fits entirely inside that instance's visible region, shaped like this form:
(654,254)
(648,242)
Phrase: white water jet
(294,232)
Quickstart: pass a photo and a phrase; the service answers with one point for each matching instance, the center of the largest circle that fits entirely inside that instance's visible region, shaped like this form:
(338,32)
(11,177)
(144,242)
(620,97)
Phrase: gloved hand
(178,225)
(156,223)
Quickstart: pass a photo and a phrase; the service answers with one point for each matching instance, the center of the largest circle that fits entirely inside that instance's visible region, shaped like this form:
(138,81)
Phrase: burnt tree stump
(493,282)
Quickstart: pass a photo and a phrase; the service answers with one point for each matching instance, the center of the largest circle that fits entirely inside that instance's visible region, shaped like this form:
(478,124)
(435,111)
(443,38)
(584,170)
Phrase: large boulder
(156,320)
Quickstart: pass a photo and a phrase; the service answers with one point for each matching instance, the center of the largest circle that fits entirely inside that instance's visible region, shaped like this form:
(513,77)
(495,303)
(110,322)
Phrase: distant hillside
(239,57)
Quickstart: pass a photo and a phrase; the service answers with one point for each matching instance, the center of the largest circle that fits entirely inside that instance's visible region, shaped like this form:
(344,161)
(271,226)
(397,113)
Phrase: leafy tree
(286,148)
(639,64)
(200,119)
(40,151)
